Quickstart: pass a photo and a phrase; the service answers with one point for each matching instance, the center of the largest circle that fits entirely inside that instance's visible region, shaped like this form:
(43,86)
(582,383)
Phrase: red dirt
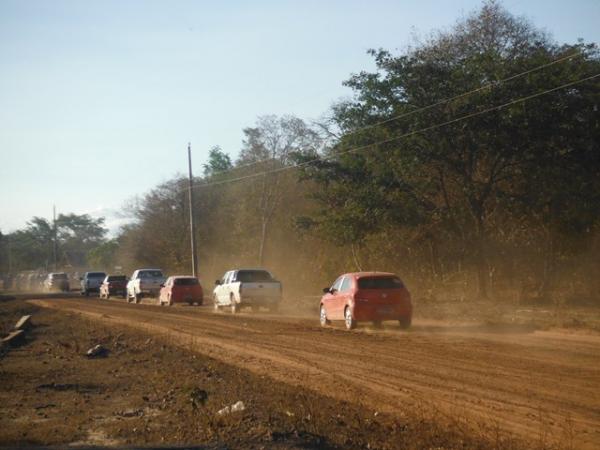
(539,386)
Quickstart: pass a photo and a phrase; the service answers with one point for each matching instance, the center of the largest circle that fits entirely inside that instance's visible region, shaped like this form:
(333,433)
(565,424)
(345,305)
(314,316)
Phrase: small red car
(366,296)
(181,289)
(113,285)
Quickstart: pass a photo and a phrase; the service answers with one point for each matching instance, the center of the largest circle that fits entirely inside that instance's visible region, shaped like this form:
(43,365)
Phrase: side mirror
(326,290)
(218,282)
(80,278)
(162,284)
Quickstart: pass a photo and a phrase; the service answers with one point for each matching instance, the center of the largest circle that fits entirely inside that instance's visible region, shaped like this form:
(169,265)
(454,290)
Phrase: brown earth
(148,392)
(482,386)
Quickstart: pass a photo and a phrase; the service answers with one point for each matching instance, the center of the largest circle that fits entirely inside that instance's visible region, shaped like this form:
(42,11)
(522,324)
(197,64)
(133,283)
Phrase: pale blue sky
(99,99)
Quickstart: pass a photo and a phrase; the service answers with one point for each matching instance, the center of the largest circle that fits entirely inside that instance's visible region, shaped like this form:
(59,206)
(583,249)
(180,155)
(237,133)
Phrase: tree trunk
(434,259)
(355,257)
(263,237)
(481,261)
(549,268)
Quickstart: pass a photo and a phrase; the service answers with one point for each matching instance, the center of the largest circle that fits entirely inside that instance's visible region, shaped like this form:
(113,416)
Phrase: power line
(411,133)
(425,108)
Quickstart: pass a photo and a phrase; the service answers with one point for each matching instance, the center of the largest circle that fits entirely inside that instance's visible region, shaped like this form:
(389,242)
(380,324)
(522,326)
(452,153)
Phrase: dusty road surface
(541,386)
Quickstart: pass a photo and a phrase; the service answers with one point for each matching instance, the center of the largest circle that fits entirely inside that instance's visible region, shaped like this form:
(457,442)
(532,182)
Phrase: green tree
(78,234)
(218,162)
(33,246)
(104,255)
(458,181)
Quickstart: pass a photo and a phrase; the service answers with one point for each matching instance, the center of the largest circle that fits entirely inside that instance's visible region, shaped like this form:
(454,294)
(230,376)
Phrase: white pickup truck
(247,287)
(144,282)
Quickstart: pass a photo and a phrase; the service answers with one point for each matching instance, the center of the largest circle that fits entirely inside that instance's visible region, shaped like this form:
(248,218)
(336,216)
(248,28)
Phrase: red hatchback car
(366,296)
(181,289)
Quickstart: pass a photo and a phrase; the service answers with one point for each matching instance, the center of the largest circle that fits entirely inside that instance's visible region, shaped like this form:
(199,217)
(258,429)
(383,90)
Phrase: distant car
(144,282)
(181,289)
(113,285)
(247,287)
(56,281)
(91,281)
(366,296)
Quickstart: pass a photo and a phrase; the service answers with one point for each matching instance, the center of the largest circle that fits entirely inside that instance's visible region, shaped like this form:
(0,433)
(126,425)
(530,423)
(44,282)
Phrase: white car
(144,283)
(247,287)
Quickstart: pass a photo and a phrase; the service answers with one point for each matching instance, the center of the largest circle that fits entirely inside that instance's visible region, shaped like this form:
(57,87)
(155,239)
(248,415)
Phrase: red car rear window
(380,283)
(185,281)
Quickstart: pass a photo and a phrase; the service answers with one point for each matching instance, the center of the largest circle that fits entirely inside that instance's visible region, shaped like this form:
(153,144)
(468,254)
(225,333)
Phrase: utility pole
(192,225)
(54,244)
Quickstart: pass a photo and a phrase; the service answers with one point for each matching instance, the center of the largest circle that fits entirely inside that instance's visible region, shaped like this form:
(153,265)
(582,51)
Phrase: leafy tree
(270,145)
(80,229)
(457,181)
(33,246)
(104,255)
(218,162)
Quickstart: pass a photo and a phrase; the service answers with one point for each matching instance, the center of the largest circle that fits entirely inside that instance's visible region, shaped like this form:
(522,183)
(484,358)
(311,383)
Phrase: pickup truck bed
(247,287)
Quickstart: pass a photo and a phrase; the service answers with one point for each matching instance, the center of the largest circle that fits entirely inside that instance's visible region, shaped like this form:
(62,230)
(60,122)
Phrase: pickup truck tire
(86,293)
(234,306)
(136,297)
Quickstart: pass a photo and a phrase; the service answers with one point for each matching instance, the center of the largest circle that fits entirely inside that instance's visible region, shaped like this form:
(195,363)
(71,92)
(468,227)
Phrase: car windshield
(253,276)
(380,283)
(151,274)
(96,275)
(185,281)
(117,278)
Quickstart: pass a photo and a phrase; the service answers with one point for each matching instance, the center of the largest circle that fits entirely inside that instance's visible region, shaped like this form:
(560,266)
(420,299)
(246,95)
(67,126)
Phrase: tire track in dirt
(510,379)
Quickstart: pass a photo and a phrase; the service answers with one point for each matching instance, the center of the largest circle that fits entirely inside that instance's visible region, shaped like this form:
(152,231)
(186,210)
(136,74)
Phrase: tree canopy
(425,170)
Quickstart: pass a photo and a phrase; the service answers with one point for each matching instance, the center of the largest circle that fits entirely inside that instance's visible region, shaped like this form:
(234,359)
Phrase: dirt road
(541,386)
